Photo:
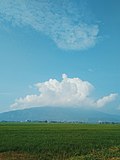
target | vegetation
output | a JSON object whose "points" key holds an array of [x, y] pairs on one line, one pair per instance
{"points": [[35, 141]]}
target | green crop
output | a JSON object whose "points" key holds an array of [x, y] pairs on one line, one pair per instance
{"points": [[35, 141]]}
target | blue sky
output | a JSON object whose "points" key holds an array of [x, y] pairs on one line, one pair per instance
{"points": [[74, 42]]}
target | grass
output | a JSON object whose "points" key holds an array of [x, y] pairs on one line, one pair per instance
{"points": [[19, 141]]}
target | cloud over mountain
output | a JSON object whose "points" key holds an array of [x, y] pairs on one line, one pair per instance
{"points": [[67, 92], [66, 22]]}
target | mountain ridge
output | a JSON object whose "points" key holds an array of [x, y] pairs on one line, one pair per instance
{"points": [[58, 114]]}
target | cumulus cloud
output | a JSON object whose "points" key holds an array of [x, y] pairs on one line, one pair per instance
{"points": [[66, 22], [69, 92], [104, 100]]}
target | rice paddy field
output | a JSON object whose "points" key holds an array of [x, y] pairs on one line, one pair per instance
{"points": [[37, 141]]}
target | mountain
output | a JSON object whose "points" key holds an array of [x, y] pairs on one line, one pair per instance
{"points": [[58, 114]]}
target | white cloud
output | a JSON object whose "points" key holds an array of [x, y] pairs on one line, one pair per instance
{"points": [[104, 100], [72, 92], [67, 24]]}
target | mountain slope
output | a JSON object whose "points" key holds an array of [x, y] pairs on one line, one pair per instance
{"points": [[58, 114]]}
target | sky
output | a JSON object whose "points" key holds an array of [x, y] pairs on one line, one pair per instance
{"points": [[60, 53]]}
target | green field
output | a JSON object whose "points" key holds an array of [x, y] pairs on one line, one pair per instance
{"points": [[35, 141]]}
